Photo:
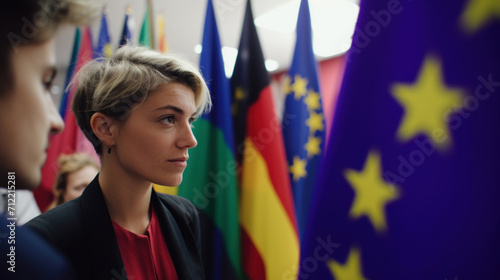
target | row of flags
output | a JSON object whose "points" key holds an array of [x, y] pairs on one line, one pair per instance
{"points": [[146, 34], [406, 188], [239, 176]]}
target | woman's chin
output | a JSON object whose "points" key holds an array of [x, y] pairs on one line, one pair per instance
{"points": [[170, 182]]}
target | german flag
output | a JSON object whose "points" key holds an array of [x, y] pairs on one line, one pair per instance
{"points": [[269, 231]]}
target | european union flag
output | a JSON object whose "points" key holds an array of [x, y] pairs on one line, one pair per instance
{"points": [[409, 188], [303, 121], [104, 43]]}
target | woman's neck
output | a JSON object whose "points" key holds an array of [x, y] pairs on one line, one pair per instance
{"points": [[127, 198]]}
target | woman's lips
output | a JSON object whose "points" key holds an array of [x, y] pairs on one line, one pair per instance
{"points": [[181, 162]]}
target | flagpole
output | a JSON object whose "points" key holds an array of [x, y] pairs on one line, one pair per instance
{"points": [[151, 15]]}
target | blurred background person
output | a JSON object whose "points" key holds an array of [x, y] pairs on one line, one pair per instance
{"points": [[76, 171]]}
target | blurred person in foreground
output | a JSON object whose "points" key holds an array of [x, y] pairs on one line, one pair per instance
{"points": [[137, 109], [76, 171], [27, 118]]}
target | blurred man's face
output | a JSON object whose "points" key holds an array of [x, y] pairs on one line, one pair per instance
{"points": [[27, 114]]}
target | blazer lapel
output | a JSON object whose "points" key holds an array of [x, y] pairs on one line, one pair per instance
{"points": [[100, 235], [175, 240]]}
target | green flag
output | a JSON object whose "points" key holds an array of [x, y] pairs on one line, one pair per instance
{"points": [[210, 179], [145, 35]]}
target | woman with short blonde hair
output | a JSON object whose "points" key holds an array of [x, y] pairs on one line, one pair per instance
{"points": [[115, 86], [137, 109]]}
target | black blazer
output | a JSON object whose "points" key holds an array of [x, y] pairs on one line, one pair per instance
{"points": [[82, 230]]}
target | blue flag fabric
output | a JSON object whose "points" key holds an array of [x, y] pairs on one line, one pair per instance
{"points": [[69, 73], [303, 121], [409, 187], [103, 47], [126, 35], [212, 68]]}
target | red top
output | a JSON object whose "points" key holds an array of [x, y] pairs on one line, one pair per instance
{"points": [[145, 256]]}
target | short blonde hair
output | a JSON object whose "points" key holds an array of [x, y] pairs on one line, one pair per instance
{"points": [[115, 85]]}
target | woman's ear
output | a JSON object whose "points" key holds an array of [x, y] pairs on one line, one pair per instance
{"points": [[104, 128]]}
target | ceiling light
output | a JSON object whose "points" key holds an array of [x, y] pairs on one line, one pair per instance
{"points": [[229, 56], [198, 48], [332, 23], [281, 19], [272, 65]]}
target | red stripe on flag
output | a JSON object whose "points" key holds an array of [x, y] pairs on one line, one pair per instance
{"points": [[252, 262], [264, 130]]}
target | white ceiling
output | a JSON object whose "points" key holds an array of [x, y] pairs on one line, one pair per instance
{"points": [[184, 22]]}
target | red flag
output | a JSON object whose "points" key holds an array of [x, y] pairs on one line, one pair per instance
{"points": [[70, 140]]}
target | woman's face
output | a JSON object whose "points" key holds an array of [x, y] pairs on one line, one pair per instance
{"points": [[78, 181], [154, 140]]}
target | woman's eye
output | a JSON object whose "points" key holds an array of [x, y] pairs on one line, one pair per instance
{"points": [[47, 85], [48, 80], [168, 119], [191, 121]]}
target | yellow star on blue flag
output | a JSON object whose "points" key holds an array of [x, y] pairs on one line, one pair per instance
{"points": [[350, 270], [303, 133], [427, 104], [409, 175], [479, 12], [372, 193]]}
